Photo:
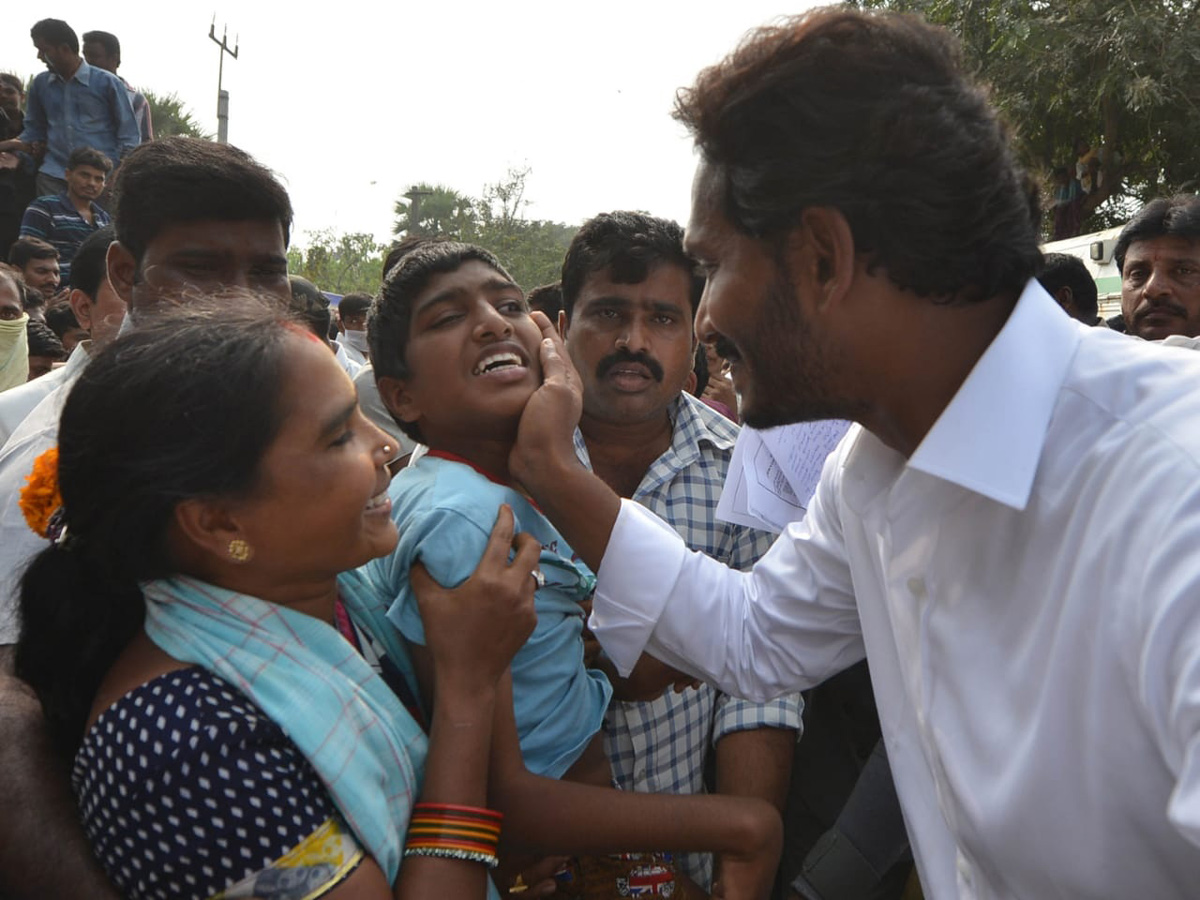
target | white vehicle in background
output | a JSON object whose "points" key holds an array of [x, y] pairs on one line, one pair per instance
{"points": [[1096, 251]]}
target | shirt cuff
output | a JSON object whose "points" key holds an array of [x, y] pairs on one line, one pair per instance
{"points": [[639, 569]]}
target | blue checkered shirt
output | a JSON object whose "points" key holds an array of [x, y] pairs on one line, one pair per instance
{"points": [[662, 746]]}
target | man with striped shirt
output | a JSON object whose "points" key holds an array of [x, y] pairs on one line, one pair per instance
{"points": [[66, 220]]}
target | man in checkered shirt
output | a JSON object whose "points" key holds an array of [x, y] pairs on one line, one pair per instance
{"points": [[630, 296]]}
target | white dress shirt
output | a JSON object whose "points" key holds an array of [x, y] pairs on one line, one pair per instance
{"points": [[37, 433], [1027, 589], [16, 403]]}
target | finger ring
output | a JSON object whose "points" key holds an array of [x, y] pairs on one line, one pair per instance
{"points": [[519, 886], [538, 578]]}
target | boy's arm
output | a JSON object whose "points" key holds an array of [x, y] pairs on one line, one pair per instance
{"points": [[43, 850]]}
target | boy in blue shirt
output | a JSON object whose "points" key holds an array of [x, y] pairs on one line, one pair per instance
{"points": [[456, 360]]}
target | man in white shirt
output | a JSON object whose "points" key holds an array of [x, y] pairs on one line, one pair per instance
{"points": [[1008, 535], [98, 310], [352, 323]]}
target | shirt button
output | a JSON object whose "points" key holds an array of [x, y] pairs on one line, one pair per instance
{"points": [[916, 587]]}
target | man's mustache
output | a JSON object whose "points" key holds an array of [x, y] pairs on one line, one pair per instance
{"points": [[624, 356]]}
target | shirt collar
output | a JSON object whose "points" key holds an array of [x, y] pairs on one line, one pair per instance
{"points": [[83, 74], [690, 427], [990, 437]]}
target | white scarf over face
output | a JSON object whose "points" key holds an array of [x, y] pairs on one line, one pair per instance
{"points": [[14, 352]]}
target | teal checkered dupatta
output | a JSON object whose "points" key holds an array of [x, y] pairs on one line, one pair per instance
{"points": [[311, 682]]}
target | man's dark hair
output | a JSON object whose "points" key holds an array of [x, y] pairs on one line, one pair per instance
{"points": [[43, 341], [61, 318], [870, 113], [89, 266], [547, 299], [627, 245], [182, 179], [86, 156], [390, 319], [311, 306], [107, 40], [55, 32], [1064, 270], [355, 304], [27, 248], [1177, 216], [14, 80], [402, 248]]}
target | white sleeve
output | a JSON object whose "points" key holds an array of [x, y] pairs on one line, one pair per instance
{"points": [[788, 623]]}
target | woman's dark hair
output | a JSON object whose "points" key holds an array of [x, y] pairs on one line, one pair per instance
{"points": [[870, 114], [391, 314], [183, 407], [182, 179]]}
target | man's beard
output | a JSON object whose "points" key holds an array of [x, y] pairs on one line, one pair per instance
{"points": [[789, 367]]}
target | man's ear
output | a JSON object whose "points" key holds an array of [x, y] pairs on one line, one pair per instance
{"points": [[209, 526], [689, 383], [396, 397], [122, 269], [820, 255], [1066, 299], [81, 305], [562, 324]]}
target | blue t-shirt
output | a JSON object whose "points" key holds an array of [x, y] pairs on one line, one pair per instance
{"points": [[444, 511]]}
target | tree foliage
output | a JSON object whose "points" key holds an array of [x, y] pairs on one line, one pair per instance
{"points": [[339, 263], [1123, 77], [531, 249], [171, 117]]}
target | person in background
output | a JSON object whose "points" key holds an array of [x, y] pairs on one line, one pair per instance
{"points": [[72, 105], [62, 321], [352, 323], [45, 349], [1068, 281], [1158, 255], [14, 338], [65, 220], [546, 299], [17, 168], [99, 312], [102, 49], [37, 261]]}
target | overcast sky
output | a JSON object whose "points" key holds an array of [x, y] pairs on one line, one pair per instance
{"points": [[351, 102]]}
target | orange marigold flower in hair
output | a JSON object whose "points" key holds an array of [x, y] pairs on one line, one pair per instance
{"points": [[40, 498]]}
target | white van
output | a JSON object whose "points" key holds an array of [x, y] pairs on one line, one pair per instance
{"points": [[1096, 251]]}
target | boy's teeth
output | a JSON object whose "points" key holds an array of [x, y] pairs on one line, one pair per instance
{"points": [[499, 361]]}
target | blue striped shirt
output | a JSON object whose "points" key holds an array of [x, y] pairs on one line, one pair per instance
{"points": [[55, 219]]}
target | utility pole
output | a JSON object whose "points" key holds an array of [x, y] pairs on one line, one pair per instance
{"points": [[415, 196], [222, 94]]}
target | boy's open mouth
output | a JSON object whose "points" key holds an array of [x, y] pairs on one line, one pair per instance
{"points": [[496, 362]]}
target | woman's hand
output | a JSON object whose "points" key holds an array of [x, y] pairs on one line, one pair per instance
{"points": [[473, 631]]}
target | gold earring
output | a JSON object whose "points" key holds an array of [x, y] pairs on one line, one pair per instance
{"points": [[239, 550]]}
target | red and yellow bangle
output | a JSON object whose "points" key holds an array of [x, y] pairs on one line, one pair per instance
{"points": [[451, 831]]}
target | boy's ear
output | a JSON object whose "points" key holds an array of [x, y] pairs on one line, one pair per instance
{"points": [[396, 397]]}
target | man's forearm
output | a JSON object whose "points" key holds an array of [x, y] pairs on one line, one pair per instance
{"points": [[756, 763], [43, 851], [581, 506]]}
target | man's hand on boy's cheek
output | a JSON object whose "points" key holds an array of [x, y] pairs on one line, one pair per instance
{"points": [[546, 432]]}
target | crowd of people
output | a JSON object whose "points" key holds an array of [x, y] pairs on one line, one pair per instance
{"points": [[427, 595]]}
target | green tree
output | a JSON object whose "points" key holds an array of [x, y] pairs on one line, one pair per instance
{"points": [[438, 210], [171, 117], [531, 249], [339, 263], [1121, 77]]}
